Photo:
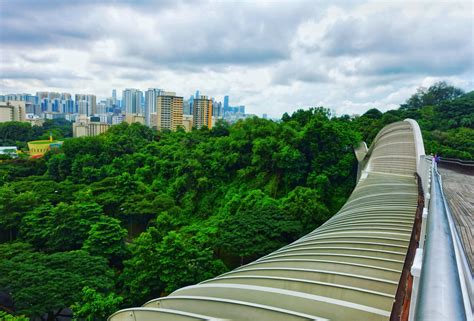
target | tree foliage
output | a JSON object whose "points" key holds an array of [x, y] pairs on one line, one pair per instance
{"points": [[94, 305], [46, 283], [114, 220]]}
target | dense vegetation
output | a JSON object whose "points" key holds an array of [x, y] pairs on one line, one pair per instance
{"points": [[114, 220], [19, 133], [444, 113]]}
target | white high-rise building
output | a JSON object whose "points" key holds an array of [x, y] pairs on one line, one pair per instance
{"points": [[86, 104], [150, 103], [12, 111], [132, 101], [102, 108]]}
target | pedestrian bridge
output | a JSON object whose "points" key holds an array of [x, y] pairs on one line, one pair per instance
{"points": [[365, 263]]}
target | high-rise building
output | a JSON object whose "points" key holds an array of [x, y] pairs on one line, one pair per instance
{"points": [[102, 107], [187, 107], [169, 111], [132, 101], [226, 104], [12, 110], [150, 103], [198, 95], [217, 109], [202, 112], [31, 102], [86, 104], [49, 101]]}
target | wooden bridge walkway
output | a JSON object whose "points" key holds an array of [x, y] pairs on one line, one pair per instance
{"points": [[459, 190]]}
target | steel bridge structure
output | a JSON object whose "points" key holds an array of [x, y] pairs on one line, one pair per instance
{"points": [[390, 253]]}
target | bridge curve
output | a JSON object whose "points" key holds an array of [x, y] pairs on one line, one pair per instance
{"points": [[349, 268]]}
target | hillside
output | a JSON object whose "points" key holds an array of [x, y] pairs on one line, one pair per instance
{"points": [[114, 220]]}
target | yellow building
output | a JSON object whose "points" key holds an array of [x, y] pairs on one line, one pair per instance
{"points": [[202, 112], [188, 122], [135, 118], [85, 127], [12, 110], [39, 147], [169, 112]]}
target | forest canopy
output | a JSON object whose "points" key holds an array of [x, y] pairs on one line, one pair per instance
{"points": [[111, 221]]}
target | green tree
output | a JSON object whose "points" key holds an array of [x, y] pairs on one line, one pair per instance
{"points": [[9, 317], [94, 305], [183, 260], [106, 238], [54, 280], [141, 273], [254, 225], [61, 228], [434, 95], [13, 207], [304, 205]]}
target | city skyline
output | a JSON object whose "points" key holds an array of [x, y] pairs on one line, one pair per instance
{"points": [[273, 57]]}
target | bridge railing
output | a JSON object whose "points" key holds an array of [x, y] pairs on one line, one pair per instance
{"points": [[442, 286]]}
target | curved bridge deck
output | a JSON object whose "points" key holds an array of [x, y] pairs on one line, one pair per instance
{"points": [[459, 191], [347, 269]]}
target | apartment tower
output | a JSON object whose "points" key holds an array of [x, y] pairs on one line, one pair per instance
{"points": [[202, 112], [169, 111]]}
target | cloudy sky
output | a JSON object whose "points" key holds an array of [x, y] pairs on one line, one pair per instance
{"points": [[272, 56]]}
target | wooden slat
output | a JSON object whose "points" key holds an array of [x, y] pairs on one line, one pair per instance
{"points": [[459, 191]]}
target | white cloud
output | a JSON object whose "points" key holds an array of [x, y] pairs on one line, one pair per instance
{"points": [[272, 56]]}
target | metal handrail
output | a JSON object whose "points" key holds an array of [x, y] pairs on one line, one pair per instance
{"points": [[440, 295], [462, 162]]}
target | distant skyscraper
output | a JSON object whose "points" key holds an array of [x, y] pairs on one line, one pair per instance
{"points": [[150, 103], [50, 102], [217, 109], [86, 104], [191, 103], [169, 111], [46, 100], [226, 104], [242, 109], [132, 101], [202, 112], [31, 102], [102, 107], [197, 94], [114, 99], [187, 107]]}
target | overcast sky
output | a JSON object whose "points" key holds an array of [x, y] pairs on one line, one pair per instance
{"points": [[272, 56]]}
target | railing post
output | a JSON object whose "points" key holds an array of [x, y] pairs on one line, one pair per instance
{"points": [[424, 218], [416, 272]]}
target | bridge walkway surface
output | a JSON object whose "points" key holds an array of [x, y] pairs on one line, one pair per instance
{"points": [[459, 190]]}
